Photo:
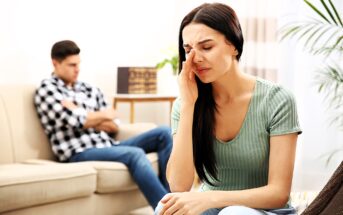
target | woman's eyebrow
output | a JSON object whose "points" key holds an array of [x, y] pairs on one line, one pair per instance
{"points": [[199, 43]]}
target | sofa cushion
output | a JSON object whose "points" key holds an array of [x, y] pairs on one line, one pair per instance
{"points": [[24, 185], [115, 177], [129, 130], [27, 138], [6, 152], [111, 176]]}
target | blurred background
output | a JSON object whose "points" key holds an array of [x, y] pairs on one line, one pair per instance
{"points": [[114, 34]]}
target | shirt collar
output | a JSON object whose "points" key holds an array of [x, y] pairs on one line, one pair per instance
{"points": [[61, 83]]}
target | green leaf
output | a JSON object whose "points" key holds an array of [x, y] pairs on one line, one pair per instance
{"points": [[328, 11], [317, 11], [326, 48], [306, 30], [323, 35], [337, 15], [289, 31], [320, 35], [337, 42], [173, 61]]}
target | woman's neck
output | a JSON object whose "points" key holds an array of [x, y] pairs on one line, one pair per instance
{"points": [[233, 85]]}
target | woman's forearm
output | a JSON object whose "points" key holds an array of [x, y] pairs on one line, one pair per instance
{"points": [[180, 169], [266, 197]]}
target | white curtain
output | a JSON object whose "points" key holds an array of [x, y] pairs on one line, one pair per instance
{"points": [[288, 64], [259, 24]]}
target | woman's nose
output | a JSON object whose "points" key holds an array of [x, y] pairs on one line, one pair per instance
{"points": [[197, 56]]}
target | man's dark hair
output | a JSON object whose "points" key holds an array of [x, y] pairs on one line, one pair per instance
{"points": [[62, 49]]}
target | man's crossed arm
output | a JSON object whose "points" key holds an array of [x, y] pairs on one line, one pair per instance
{"points": [[99, 120]]}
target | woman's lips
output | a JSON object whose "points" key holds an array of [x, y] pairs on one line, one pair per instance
{"points": [[202, 71]]}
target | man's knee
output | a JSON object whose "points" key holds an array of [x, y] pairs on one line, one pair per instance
{"points": [[137, 153], [165, 135], [164, 130]]}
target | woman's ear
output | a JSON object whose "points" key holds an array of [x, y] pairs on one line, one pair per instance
{"points": [[233, 49]]}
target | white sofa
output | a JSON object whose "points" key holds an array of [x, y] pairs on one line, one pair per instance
{"points": [[32, 182]]}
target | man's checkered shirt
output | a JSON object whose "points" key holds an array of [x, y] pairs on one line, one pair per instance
{"points": [[64, 127]]}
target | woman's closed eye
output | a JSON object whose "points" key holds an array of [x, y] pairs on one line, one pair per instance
{"points": [[207, 48]]}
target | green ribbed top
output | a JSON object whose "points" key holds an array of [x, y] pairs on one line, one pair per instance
{"points": [[243, 161]]}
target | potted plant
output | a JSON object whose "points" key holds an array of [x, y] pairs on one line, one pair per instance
{"points": [[173, 61], [167, 73], [322, 36]]}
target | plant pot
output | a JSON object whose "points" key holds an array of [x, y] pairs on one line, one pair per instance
{"points": [[167, 82]]}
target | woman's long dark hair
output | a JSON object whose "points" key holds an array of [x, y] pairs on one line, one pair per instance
{"points": [[223, 19]]}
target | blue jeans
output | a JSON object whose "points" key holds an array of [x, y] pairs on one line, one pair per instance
{"points": [[132, 152]]}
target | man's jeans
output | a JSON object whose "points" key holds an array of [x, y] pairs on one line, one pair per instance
{"points": [[132, 152]]}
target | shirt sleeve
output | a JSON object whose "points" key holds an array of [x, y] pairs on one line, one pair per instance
{"points": [[102, 104], [282, 112], [51, 112], [175, 115]]}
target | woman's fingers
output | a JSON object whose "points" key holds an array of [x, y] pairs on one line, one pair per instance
{"points": [[166, 198], [187, 65], [167, 202], [189, 59], [174, 209]]}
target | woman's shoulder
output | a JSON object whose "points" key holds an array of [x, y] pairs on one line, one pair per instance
{"points": [[274, 90], [176, 104]]}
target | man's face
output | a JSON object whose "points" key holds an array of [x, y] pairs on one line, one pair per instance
{"points": [[68, 69]]}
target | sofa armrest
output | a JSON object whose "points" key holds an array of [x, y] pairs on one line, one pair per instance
{"points": [[129, 130]]}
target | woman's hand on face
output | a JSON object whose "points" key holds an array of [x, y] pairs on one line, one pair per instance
{"points": [[187, 203], [187, 83]]}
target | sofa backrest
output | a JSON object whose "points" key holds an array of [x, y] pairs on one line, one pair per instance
{"points": [[21, 134]]}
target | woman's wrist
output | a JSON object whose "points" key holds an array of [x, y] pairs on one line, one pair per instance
{"points": [[187, 106], [186, 111], [209, 199]]}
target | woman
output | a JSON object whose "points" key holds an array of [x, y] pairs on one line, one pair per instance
{"points": [[238, 132]]}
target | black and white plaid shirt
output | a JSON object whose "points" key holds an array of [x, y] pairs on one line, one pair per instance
{"points": [[64, 127]]}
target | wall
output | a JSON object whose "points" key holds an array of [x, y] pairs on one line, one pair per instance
{"points": [[109, 33]]}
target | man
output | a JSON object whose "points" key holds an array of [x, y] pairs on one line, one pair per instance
{"points": [[78, 124]]}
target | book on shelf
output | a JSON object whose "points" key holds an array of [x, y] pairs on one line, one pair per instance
{"points": [[136, 80]]}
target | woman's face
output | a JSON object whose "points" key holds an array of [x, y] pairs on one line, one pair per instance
{"points": [[213, 53]]}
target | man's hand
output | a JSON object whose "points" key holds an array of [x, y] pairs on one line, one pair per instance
{"points": [[69, 104], [110, 113], [108, 126]]}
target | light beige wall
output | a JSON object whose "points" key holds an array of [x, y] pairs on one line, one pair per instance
{"points": [[109, 33]]}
